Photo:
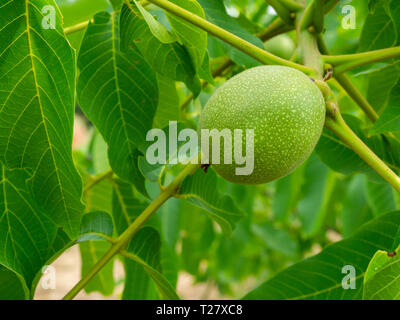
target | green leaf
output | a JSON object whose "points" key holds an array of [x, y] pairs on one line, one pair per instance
{"points": [[126, 205], [117, 4], [394, 11], [317, 191], [12, 287], [99, 197], [96, 225], [216, 14], [60, 244], [37, 102], [379, 30], [380, 197], [152, 171], [356, 210], [390, 118], [221, 208], [168, 104], [99, 151], [380, 84], [287, 191], [339, 157], [118, 92], [74, 12], [136, 32], [393, 150], [320, 277], [193, 38], [169, 215], [144, 250], [103, 281], [381, 281], [198, 236], [169, 263], [26, 233], [156, 28], [205, 70]]}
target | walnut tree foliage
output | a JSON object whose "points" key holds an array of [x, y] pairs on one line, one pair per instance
{"points": [[128, 66]]}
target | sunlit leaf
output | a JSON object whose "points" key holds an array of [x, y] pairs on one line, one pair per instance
{"points": [[382, 280], [168, 105], [136, 32], [118, 92], [194, 38], [215, 13], [320, 277], [156, 28]]}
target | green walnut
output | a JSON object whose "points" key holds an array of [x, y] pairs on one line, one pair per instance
{"points": [[284, 110], [282, 46]]}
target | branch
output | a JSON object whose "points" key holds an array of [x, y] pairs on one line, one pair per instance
{"points": [[356, 95], [76, 27], [277, 27], [334, 120], [308, 42], [309, 52], [339, 127], [230, 38], [312, 14], [125, 237], [349, 87], [282, 11], [97, 180], [292, 5], [307, 16], [343, 63]]}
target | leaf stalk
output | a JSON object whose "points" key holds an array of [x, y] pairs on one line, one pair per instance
{"points": [[339, 127], [347, 62], [230, 38]]}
